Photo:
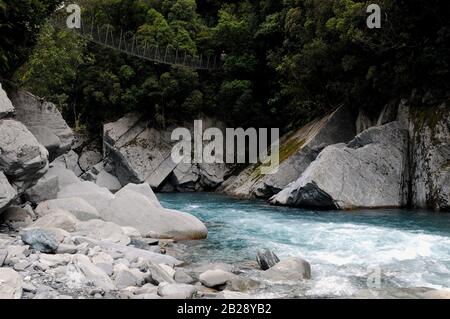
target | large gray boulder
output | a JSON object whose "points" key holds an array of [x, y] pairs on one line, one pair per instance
{"points": [[65, 176], [185, 178], [145, 190], [297, 151], [6, 107], [46, 188], [103, 231], [137, 151], [46, 137], [36, 113], [143, 154], [197, 177], [7, 192], [78, 207], [96, 196], [215, 278], [109, 181], [292, 269], [266, 258], [369, 172], [57, 218], [22, 159], [69, 161], [130, 208], [430, 158]]}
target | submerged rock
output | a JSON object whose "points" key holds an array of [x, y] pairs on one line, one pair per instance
{"points": [[368, 172], [266, 259], [291, 269], [243, 284], [215, 278]]}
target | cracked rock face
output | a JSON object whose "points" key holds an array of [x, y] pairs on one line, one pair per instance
{"points": [[22, 158], [6, 107], [44, 119], [430, 158], [7, 192], [297, 151], [143, 154], [368, 172]]}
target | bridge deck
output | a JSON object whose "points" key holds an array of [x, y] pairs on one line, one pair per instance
{"points": [[129, 43]]}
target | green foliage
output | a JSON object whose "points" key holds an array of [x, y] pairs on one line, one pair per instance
{"points": [[330, 56], [282, 62], [52, 69], [20, 22]]}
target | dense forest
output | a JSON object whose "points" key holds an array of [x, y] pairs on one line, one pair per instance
{"points": [[284, 62]]}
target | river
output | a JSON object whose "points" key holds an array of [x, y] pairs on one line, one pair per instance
{"points": [[364, 253]]}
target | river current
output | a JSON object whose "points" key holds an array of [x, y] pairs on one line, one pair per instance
{"points": [[364, 253]]}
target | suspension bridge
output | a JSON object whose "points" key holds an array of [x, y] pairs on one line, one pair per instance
{"points": [[131, 44]]}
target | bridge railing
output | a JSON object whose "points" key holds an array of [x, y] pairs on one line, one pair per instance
{"points": [[131, 44]]}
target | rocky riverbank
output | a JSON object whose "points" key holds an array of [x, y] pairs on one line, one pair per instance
{"points": [[80, 222], [69, 228]]}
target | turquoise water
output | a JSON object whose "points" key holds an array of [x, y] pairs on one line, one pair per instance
{"points": [[408, 248]]}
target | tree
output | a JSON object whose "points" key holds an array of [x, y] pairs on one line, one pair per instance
{"points": [[52, 69], [20, 22]]}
